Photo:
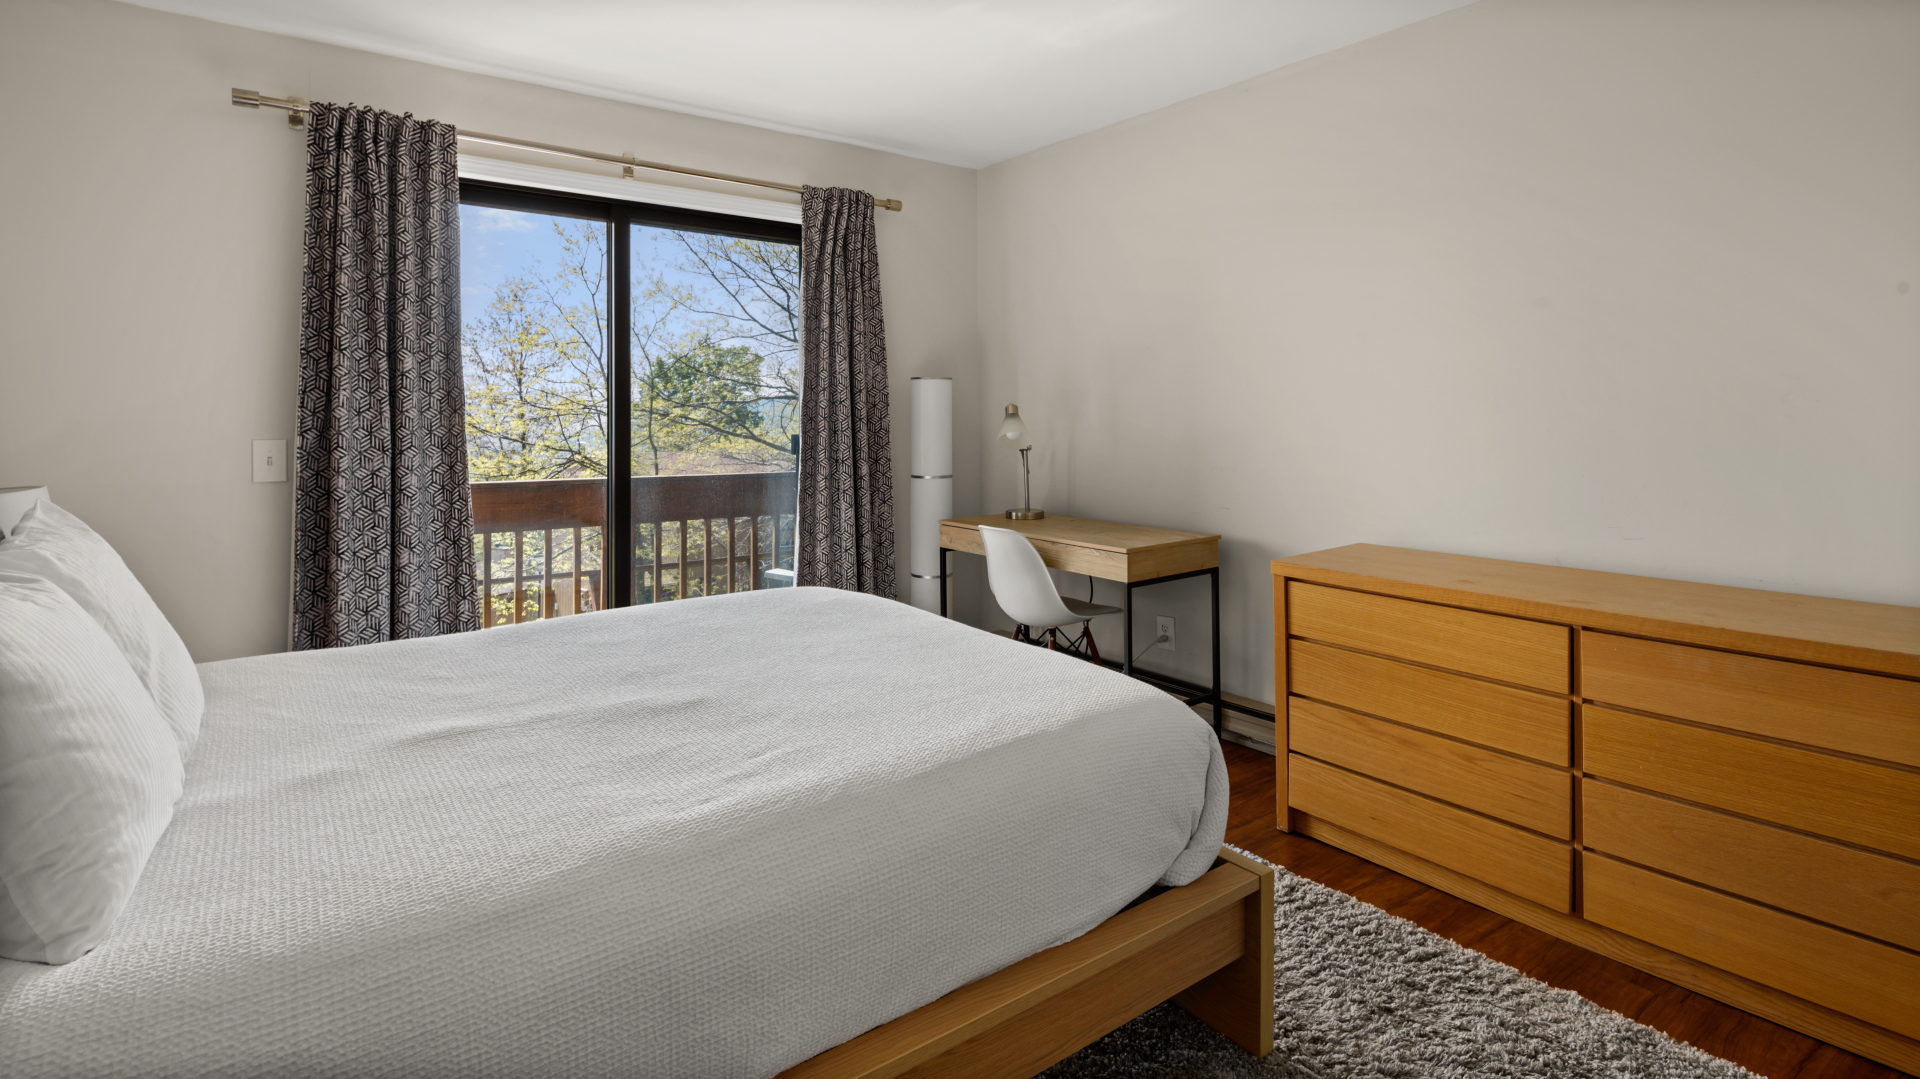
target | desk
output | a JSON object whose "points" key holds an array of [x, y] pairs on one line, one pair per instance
{"points": [[1134, 555]]}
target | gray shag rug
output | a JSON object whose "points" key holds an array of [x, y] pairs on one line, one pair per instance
{"points": [[1361, 993]]}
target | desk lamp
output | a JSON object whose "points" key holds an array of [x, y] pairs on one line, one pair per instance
{"points": [[1014, 432]]}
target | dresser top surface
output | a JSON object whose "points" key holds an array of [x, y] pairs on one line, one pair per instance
{"points": [[1847, 633]]}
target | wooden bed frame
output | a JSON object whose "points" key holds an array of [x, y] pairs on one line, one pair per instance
{"points": [[1207, 945]]}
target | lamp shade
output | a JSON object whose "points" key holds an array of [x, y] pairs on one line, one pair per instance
{"points": [[1014, 430]]}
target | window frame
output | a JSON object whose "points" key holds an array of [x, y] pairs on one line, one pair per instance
{"points": [[620, 216]]}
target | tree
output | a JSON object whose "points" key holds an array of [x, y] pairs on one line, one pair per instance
{"points": [[715, 355], [537, 370]]}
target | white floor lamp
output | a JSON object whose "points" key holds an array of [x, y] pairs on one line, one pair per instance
{"points": [[930, 489]]}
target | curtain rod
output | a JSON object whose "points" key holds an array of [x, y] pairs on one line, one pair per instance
{"points": [[297, 107]]}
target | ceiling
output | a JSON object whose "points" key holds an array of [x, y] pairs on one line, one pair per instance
{"points": [[965, 82]]}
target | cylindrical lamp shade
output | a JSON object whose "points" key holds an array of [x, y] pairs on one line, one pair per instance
{"points": [[930, 489]]}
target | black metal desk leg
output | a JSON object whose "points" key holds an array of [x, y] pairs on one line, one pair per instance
{"points": [[1218, 716], [943, 584], [1126, 658]]}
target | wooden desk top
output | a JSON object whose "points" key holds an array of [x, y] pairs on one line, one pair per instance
{"points": [[1841, 632], [1104, 549]]}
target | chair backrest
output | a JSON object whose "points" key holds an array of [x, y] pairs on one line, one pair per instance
{"points": [[1020, 582]]}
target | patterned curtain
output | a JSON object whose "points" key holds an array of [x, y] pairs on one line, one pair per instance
{"points": [[846, 459], [383, 522]]}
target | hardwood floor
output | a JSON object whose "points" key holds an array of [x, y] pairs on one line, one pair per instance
{"points": [[1754, 1043]]}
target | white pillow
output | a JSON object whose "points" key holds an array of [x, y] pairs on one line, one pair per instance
{"points": [[89, 773], [55, 545]]}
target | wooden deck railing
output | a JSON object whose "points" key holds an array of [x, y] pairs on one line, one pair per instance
{"points": [[709, 535], [539, 545]]}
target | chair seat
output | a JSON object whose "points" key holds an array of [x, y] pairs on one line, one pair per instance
{"points": [[1086, 610]]}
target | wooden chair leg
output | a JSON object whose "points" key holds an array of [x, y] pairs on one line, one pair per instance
{"points": [[1086, 634]]}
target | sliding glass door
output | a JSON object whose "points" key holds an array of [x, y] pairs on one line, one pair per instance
{"points": [[715, 410], [537, 350], [633, 382]]}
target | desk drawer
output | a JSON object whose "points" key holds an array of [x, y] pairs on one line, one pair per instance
{"points": [[1520, 862], [1849, 974], [1849, 888], [1530, 724], [1490, 645], [1854, 713], [1530, 795], [1861, 803]]}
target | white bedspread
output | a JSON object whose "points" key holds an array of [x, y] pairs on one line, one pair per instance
{"points": [[704, 838]]}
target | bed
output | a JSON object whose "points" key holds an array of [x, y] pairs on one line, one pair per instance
{"points": [[800, 831]]}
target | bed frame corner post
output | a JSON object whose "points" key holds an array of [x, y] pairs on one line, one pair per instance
{"points": [[1237, 999]]}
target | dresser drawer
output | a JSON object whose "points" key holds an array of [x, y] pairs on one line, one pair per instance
{"points": [[1490, 645], [1506, 857], [1530, 724], [1851, 974], [1530, 795], [1861, 803], [1865, 714], [1849, 888]]}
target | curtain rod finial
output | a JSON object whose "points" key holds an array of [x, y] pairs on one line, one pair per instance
{"points": [[888, 204], [252, 99]]}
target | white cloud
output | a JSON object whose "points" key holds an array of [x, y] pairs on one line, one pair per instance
{"points": [[489, 219]]}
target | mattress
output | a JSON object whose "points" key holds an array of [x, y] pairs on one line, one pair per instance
{"points": [[704, 838]]}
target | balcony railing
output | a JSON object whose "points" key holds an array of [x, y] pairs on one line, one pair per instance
{"points": [[539, 545]]}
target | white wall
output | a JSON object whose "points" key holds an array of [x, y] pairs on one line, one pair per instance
{"points": [[1624, 284], [1619, 284], [150, 268]]}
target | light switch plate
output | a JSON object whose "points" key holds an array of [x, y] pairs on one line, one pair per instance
{"points": [[269, 460]]}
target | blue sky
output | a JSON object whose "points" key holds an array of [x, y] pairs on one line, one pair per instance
{"points": [[497, 244]]}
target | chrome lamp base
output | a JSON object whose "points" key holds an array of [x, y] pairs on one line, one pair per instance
{"points": [[1026, 515]]}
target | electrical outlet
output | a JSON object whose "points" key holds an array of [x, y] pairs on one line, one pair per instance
{"points": [[1163, 630]]}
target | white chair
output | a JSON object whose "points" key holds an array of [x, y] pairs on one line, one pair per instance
{"points": [[1024, 590]]}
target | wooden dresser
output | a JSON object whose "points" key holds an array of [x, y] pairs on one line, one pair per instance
{"points": [[1720, 786]]}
